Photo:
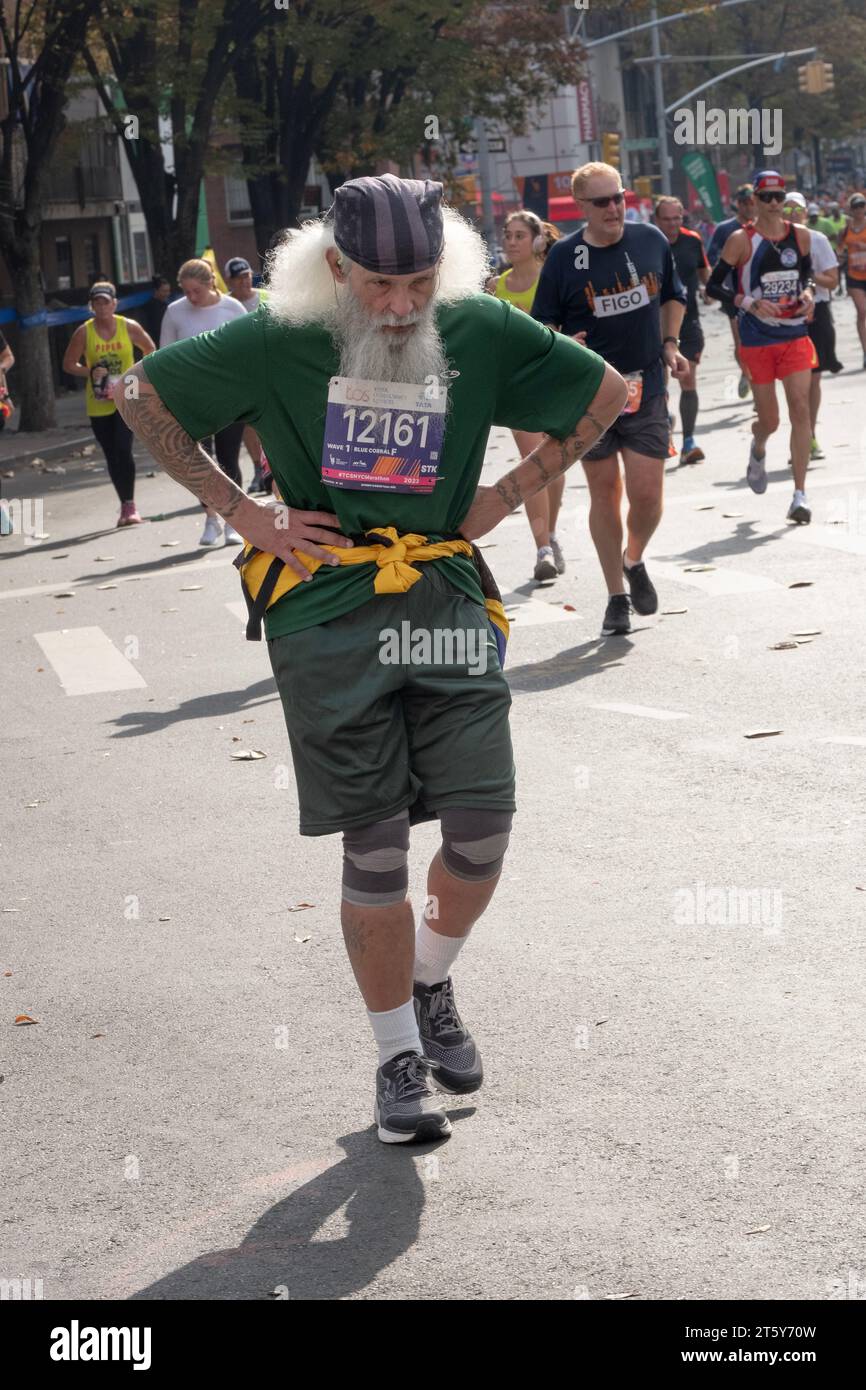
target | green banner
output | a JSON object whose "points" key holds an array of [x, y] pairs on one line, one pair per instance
{"points": [[702, 176]]}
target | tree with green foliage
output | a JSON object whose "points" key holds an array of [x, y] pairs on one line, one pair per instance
{"points": [[40, 45]]}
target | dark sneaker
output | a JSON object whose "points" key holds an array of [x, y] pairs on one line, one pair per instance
{"points": [[446, 1041], [545, 565], [616, 616], [257, 484], [693, 455], [407, 1108], [644, 598]]}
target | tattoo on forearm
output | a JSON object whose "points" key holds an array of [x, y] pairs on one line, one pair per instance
{"points": [[509, 490], [564, 452], [180, 456]]}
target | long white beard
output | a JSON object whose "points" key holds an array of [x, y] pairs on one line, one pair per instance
{"points": [[369, 353]]}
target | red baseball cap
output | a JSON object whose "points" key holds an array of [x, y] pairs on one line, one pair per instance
{"points": [[768, 179]]}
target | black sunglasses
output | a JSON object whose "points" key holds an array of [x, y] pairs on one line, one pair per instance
{"points": [[776, 196], [611, 198]]}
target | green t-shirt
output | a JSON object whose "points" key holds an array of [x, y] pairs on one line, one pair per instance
{"points": [[512, 372], [825, 225]]}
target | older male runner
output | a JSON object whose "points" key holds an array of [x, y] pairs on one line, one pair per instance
{"points": [[373, 375]]}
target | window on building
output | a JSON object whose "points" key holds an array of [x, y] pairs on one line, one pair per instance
{"points": [[91, 258], [63, 257], [139, 250], [238, 200]]}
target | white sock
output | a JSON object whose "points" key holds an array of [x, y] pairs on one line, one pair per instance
{"points": [[544, 550], [396, 1031], [434, 954]]}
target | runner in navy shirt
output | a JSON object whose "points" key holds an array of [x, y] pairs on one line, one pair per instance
{"points": [[693, 269], [613, 286]]}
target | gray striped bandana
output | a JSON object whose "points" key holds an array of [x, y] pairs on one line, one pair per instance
{"points": [[390, 225]]}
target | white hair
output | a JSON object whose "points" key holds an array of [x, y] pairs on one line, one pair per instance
{"points": [[301, 287]]}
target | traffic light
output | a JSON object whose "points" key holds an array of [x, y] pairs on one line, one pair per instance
{"points": [[610, 148], [643, 186], [815, 77]]}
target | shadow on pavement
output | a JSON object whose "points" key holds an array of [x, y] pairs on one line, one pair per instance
{"points": [[221, 702], [382, 1189], [743, 541], [574, 664]]}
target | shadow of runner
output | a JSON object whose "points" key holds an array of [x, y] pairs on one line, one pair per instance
{"points": [[574, 664], [382, 1189], [132, 723]]}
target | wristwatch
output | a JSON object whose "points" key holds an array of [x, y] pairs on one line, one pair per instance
{"points": [[670, 339]]}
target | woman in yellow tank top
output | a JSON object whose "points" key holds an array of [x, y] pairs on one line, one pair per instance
{"points": [[527, 240], [106, 343]]}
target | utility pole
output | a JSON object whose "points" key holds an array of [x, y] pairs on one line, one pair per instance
{"points": [[488, 224], [661, 117]]}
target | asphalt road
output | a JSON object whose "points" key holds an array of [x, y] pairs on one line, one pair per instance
{"points": [[668, 989]]}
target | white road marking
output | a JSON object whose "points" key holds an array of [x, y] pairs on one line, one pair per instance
{"points": [[716, 583], [87, 662], [642, 711], [834, 537]]}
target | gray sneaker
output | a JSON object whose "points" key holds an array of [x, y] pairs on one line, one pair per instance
{"points": [[407, 1108], [756, 473], [558, 557], [447, 1043]]}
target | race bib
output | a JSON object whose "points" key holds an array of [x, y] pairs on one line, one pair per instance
{"points": [[383, 436], [857, 257], [781, 287], [634, 382], [623, 302]]}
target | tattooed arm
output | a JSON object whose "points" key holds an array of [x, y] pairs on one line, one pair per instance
{"points": [[279, 530], [548, 461]]}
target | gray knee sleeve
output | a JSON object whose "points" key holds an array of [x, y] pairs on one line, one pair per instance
{"points": [[376, 862], [474, 841]]}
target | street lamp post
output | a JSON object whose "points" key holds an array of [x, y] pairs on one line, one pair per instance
{"points": [[661, 117]]}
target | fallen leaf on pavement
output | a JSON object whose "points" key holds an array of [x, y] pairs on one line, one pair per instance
{"points": [[299, 907], [188, 588], [105, 557], [165, 919], [171, 610], [106, 586], [808, 632], [698, 569], [708, 507], [167, 544], [569, 608], [762, 733], [64, 556], [97, 1035], [6, 974], [730, 515], [669, 612], [801, 584], [65, 593], [756, 1231], [600, 1021], [301, 939], [247, 755], [783, 647], [25, 1018]]}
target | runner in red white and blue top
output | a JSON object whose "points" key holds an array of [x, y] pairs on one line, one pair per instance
{"points": [[775, 297]]}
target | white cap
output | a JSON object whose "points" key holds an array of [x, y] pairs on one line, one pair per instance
{"points": [[814, 210], [797, 200]]}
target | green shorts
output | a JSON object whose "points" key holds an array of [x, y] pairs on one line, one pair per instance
{"points": [[400, 703]]}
